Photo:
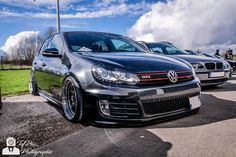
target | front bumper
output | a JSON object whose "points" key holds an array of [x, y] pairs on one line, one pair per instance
{"points": [[206, 80], [142, 105]]}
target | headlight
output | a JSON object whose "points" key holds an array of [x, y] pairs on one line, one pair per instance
{"points": [[114, 76], [194, 72], [197, 66], [226, 65]]}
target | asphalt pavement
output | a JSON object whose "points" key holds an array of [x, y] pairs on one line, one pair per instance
{"points": [[32, 118], [209, 133], [40, 127]]}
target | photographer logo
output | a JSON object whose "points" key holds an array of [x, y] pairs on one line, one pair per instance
{"points": [[11, 148]]}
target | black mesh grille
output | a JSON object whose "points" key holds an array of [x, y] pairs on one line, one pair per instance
{"points": [[163, 106], [210, 66]]}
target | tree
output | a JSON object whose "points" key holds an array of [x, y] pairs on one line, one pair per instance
{"points": [[28, 47]]}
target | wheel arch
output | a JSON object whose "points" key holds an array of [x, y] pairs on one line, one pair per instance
{"points": [[71, 74]]}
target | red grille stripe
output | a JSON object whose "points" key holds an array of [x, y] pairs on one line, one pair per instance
{"points": [[160, 72], [157, 79]]}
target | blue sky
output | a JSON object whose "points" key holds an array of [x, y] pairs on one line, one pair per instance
{"points": [[97, 15], [191, 24]]}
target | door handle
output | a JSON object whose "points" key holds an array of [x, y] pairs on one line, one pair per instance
{"points": [[43, 64]]}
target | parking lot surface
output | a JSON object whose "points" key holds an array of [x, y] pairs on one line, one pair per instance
{"points": [[211, 132], [33, 118]]}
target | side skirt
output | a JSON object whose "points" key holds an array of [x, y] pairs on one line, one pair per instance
{"points": [[49, 98]]}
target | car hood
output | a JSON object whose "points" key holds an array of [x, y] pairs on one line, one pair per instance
{"points": [[196, 59], [137, 62]]}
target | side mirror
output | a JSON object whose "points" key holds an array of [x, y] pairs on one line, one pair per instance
{"points": [[51, 52]]}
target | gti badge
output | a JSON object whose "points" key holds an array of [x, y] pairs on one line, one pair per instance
{"points": [[173, 77], [146, 77]]}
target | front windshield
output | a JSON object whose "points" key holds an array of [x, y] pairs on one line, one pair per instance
{"points": [[101, 42], [166, 49]]}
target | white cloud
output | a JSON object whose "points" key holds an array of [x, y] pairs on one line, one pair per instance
{"points": [[24, 3], [16, 40], [106, 8], [103, 3], [190, 24]]}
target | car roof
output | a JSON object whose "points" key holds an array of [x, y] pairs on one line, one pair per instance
{"points": [[160, 42], [89, 32]]}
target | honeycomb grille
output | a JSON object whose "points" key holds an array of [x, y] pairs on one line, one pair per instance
{"points": [[163, 106]]}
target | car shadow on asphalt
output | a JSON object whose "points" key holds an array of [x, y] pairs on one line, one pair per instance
{"points": [[130, 142], [213, 110], [116, 142], [57, 107]]}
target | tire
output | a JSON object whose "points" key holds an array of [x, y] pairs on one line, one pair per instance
{"points": [[197, 110], [72, 100], [33, 89]]}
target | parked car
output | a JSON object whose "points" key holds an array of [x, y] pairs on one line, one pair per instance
{"points": [[210, 71], [109, 79], [231, 64], [194, 53]]}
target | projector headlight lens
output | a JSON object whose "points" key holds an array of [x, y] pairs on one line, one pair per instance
{"points": [[114, 76]]}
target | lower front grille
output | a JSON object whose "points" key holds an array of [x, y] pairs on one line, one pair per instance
{"points": [[162, 106], [123, 109]]}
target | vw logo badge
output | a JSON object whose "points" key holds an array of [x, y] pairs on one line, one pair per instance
{"points": [[173, 77]]}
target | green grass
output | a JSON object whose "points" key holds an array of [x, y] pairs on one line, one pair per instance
{"points": [[11, 66], [14, 81]]}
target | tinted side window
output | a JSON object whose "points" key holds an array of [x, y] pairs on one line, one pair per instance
{"points": [[157, 50], [174, 51], [57, 43]]}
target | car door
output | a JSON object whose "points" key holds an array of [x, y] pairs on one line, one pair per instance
{"points": [[53, 69], [39, 65]]}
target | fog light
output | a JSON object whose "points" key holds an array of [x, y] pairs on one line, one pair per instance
{"points": [[104, 107]]}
